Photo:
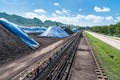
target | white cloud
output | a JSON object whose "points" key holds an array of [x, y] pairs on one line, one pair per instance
{"points": [[79, 9], [91, 18], [109, 18], [39, 11], [33, 15], [79, 19], [53, 14], [117, 18], [58, 12], [94, 18], [30, 15], [56, 4], [104, 9], [63, 11]]}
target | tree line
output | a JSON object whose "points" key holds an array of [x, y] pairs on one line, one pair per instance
{"points": [[113, 30]]}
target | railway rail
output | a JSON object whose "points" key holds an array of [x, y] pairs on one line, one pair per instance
{"points": [[56, 66], [98, 69]]}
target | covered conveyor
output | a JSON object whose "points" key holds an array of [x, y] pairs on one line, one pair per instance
{"points": [[19, 33]]}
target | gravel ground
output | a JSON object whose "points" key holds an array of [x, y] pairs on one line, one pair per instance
{"points": [[109, 40], [83, 68]]}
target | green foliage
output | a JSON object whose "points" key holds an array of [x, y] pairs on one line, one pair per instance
{"points": [[110, 30], [108, 57], [28, 22]]}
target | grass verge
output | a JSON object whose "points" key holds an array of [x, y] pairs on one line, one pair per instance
{"points": [[108, 57]]}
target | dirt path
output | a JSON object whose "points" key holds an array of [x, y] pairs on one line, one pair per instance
{"points": [[83, 68], [111, 41]]}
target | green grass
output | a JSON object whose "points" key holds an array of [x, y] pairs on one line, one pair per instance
{"points": [[108, 57]]}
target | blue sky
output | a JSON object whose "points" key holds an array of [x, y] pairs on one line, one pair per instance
{"points": [[77, 12]]}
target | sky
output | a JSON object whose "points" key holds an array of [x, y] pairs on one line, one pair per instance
{"points": [[76, 12]]}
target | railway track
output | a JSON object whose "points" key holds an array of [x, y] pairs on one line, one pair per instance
{"points": [[98, 69], [56, 66], [60, 65]]}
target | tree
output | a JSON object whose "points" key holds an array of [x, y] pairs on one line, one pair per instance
{"points": [[110, 30]]}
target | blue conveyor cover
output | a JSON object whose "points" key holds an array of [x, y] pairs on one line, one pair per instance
{"points": [[19, 33], [55, 31]]}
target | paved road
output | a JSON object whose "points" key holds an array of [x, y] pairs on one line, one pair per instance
{"points": [[109, 40], [8, 71]]}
